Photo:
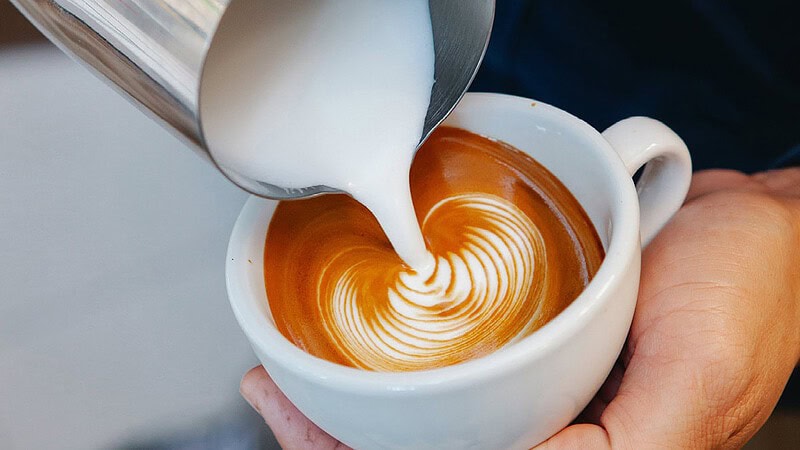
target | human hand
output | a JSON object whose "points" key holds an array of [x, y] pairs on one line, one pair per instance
{"points": [[716, 332], [714, 339]]}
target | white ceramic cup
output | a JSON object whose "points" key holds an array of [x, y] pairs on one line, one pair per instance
{"points": [[519, 395]]}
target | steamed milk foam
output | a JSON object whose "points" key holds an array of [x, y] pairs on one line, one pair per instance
{"points": [[302, 93]]}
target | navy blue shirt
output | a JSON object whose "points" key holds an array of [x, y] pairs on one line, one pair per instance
{"points": [[724, 74]]}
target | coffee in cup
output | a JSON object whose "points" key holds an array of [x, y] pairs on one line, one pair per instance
{"points": [[512, 247]]}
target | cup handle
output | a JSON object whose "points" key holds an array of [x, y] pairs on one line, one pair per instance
{"points": [[662, 188]]}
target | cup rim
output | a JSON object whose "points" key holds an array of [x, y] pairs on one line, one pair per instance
{"points": [[623, 243]]}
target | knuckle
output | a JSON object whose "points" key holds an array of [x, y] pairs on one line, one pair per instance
{"points": [[763, 217]]}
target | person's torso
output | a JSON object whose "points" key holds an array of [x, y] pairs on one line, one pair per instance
{"points": [[725, 75]]}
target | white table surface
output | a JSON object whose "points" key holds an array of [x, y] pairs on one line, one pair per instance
{"points": [[114, 323]]}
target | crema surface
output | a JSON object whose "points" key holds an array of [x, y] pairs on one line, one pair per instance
{"points": [[512, 249]]}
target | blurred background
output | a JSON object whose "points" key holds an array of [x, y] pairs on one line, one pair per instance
{"points": [[115, 331], [115, 328]]}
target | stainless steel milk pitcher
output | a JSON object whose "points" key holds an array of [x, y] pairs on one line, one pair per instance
{"points": [[154, 51]]}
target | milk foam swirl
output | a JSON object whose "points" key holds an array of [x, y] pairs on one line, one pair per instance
{"points": [[490, 289]]}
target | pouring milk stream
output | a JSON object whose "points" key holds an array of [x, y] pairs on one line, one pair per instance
{"points": [[341, 93]]}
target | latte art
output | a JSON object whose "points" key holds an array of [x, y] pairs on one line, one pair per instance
{"points": [[492, 287], [512, 248]]}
